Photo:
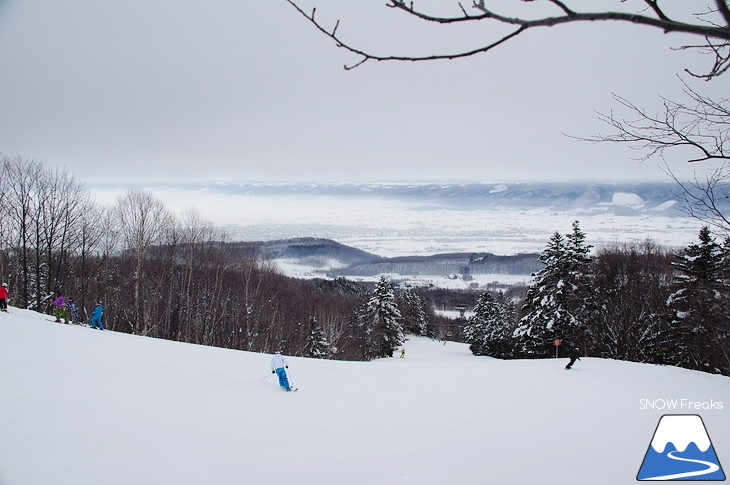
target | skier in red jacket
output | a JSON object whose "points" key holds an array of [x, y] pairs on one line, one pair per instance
{"points": [[4, 296]]}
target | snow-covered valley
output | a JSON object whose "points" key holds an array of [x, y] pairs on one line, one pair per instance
{"points": [[424, 219], [393, 220]]}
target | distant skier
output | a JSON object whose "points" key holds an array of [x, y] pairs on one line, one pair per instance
{"points": [[96, 316], [4, 297], [403, 353], [60, 311], [73, 310], [573, 355], [279, 364]]}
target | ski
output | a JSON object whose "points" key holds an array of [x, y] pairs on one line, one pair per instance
{"points": [[78, 324]]}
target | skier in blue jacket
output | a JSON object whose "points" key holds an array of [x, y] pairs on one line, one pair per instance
{"points": [[279, 364], [96, 316]]}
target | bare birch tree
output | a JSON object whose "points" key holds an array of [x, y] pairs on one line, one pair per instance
{"points": [[143, 221], [21, 202]]}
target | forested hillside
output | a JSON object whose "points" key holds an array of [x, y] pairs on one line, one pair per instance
{"points": [[636, 302], [166, 276]]}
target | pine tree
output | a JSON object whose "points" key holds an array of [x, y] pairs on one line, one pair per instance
{"points": [[699, 304], [577, 250], [475, 329], [316, 345], [380, 320], [558, 301], [489, 330], [582, 299], [501, 340], [415, 316]]}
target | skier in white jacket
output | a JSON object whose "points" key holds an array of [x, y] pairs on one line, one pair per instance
{"points": [[279, 364]]}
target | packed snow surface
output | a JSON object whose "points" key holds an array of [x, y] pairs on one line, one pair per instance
{"points": [[81, 406]]}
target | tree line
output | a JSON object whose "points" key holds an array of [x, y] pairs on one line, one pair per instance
{"points": [[175, 277], [636, 302], [178, 278]]}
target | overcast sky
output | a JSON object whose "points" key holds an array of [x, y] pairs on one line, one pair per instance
{"points": [[247, 90]]}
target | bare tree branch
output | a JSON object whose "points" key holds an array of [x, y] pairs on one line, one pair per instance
{"points": [[721, 52], [711, 32], [570, 16], [654, 5], [367, 56], [702, 124], [723, 8], [709, 200]]}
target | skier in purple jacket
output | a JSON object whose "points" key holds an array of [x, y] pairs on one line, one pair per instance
{"points": [[60, 308]]}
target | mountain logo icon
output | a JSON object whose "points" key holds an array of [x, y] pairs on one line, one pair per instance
{"points": [[681, 450]]}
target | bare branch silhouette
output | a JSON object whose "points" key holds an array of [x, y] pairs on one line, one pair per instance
{"points": [[707, 25]]}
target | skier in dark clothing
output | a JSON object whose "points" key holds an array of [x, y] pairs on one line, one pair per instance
{"points": [[574, 355], [73, 310]]}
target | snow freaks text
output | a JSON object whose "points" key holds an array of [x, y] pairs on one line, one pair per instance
{"points": [[683, 405]]}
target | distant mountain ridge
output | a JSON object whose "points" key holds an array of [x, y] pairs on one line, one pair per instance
{"points": [[658, 196], [316, 252], [337, 259]]}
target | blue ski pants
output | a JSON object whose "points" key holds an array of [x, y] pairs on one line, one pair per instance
{"points": [[283, 381], [96, 322]]}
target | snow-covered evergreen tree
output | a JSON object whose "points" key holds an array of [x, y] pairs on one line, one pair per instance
{"points": [[558, 301], [415, 315], [316, 345], [582, 299], [699, 306], [475, 329], [380, 320], [501, 340], [726, 259], [489, 330], [577, 252]]}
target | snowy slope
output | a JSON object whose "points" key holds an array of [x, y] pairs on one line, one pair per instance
{"points": [[79, 406]]}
